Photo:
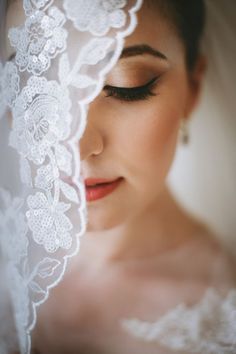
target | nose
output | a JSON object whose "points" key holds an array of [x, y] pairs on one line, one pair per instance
{"points": [[92, 140]]}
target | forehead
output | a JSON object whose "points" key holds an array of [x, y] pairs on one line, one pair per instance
{"points": [[156, 31]]}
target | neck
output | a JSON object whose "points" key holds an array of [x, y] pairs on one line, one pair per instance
{"points": [[158, 228]]}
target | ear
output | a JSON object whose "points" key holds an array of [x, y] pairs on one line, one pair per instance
{"points": [[195, 82]]}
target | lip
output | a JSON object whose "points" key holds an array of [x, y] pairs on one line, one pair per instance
{"points": [[93, 181], [101, 189]]}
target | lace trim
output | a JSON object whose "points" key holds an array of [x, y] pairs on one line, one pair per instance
{"points": [[209, 327], [40, 229]]}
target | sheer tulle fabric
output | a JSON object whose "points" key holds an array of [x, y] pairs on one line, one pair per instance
{"points": [[48, 87]]}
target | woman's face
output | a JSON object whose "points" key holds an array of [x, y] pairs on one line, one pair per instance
{"points": [[133, 134]]}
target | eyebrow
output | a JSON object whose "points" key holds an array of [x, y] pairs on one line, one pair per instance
{"points": [[131, 51], [141, 49]]}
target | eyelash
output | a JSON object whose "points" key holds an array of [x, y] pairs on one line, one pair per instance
{"points": [[132, 93]]}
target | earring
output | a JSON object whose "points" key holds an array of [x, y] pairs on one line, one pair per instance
{"points": [[184, 132]]}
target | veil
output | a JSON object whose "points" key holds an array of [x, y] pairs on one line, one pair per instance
{"points": [[43, 209], [42, 201]]}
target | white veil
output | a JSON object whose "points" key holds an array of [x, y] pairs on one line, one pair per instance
{"points": [[42, 199], [204, 182]]}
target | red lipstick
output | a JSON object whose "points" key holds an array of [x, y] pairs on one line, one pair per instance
{"points": [[97, 188]]}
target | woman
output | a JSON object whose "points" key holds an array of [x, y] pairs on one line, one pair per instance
{"points": [[143, 253]]}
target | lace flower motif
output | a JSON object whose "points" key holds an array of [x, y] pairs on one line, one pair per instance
{"points": [[208, 327], [40, 40], [45, 177], [48, 222], [9, 86], [32, 5], [96, 16], [40, 118]]}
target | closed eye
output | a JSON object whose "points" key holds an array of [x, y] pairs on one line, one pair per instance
{"points": [[132, 93]]}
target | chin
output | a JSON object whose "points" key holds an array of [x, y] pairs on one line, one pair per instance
{"points": [[102, 222]]}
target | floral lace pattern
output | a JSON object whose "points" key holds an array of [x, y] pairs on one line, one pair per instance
{"points": [[45, 177], [31, 5], [53, 193], [37, 231], [43, 119], [48, 222], [97, 18], [40, 40], [209, 327]]}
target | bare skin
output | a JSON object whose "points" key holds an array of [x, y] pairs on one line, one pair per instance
{"points": [[143, 253], [83, 313]]}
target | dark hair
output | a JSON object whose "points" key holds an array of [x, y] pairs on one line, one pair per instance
{"points": [[188, 18]]}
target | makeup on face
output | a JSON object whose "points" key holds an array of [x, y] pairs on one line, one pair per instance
{"points": [[136, 74], [100, 190]]}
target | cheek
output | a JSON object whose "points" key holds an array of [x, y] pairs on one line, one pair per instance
{"points": [[149, 135], [148, 130], [157, 132]]}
